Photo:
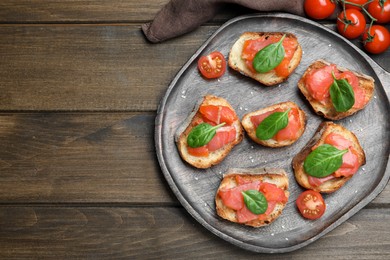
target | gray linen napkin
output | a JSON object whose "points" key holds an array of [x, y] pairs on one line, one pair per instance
{"points": [[181, 16]]}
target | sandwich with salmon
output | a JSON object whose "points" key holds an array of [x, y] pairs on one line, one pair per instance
{"points": [[268, 57], [252, 197], [275, 126], [332, 157], [209, 133], [335, 92]]}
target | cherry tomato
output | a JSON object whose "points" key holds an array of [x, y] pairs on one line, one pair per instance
{"points": [[359, 2], [311, 204], [213, 65], [380, 10], [319, 9], [351, 24], [377, 39]]}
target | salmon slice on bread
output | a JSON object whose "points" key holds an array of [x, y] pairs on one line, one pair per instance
{"points": [[341, 138], [271, 182], [211, 110], [241, 62], [284, 137], [319, 96]]}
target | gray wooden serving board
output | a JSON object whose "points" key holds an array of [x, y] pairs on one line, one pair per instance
{"points": [[195, 188]]}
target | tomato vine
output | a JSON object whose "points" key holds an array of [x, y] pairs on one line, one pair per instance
{"points": [[362, 7], [351, 21]]}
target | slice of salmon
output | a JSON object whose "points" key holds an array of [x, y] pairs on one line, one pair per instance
{"points": [[338, 141], [253, 46], [257, 119], [214, 115], [223, 136], [360, 97], [315, 182], [245, 215], [290, 45], [290, 132], [233, 198], [270, 208], [270, 190], [240, 180], [350, 163], [350, 77], [319, 81]]}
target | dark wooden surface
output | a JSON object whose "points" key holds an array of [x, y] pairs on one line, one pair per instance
{"points": [[79, 178]]}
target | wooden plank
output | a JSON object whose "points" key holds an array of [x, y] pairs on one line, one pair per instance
{"points": [[169, 233], [49, 157], [26, 11], [88, 11], [41, 67], [85, 158]]}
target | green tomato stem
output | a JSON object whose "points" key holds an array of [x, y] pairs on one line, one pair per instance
{"points": [[363, 7]]}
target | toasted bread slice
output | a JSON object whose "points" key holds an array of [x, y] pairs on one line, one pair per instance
{"points": [[327, 110], [335, 183], [270, 175], [250, 128], [214, 157], [270, 78]]}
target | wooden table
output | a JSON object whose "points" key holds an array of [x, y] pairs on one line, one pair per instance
{"points": [[79, 178]]}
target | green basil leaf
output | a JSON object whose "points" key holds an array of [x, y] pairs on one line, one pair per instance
{"points": [[342, 95], [269, 57], [272, 124], [202, 134], [255, 201], [323, 161]]}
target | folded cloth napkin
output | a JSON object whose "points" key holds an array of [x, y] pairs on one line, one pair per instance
{"points": [[182, 16]]}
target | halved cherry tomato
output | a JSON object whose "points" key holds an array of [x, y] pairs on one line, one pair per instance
{"points": [[213, 65], [380, 10], [377, 40], [319, 9], [311, 204], [351, 23], [359, 2]]}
